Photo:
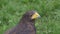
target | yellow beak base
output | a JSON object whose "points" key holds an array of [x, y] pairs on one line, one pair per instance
{"points": [[35, 15]]}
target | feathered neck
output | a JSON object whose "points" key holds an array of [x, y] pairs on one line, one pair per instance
{"points": [[27, 21]]}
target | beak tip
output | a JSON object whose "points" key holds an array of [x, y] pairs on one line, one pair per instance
{"points": [[39, 16]]}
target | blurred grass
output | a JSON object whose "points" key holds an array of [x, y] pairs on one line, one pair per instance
{"points": [[11, 12]]}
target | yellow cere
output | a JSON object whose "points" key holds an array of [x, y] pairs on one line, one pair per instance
{"points": [[36, 15]]}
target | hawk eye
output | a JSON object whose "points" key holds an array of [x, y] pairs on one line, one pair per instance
{"points": [[30, 15]]}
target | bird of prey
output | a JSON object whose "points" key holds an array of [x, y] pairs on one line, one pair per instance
{"points": [[26, 25]]}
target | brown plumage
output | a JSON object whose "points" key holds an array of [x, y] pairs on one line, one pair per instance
{"points": [[25, 26]]}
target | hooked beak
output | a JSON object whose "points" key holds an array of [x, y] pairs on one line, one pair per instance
{"points": [[35, 15]]}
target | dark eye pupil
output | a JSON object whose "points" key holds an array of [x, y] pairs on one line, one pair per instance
{"points": [[31, 15]]}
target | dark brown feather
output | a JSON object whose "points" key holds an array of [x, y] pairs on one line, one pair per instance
{"points": [[25, 26]]}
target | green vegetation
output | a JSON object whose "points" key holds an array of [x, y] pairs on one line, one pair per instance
{"points": [[12, 10]]}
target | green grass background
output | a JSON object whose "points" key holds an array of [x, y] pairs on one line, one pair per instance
{"points": [[11, 12]]}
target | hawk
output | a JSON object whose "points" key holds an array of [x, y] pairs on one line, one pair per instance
{"points": [[26, 24]]}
